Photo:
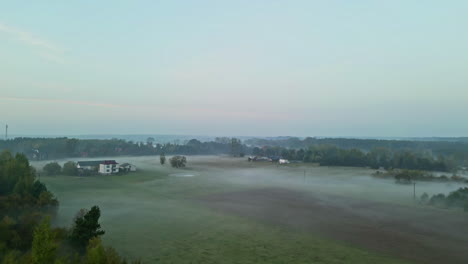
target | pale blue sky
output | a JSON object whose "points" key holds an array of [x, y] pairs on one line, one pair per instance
{"points": [[303, 68]]}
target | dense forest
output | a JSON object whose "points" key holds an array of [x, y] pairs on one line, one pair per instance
{"points": [[26, 210]]}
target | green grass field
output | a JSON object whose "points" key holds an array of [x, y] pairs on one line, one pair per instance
{"points": [[156, 217]]}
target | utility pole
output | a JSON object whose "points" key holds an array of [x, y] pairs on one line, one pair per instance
{"points": [[6, 132], [414, 190]]}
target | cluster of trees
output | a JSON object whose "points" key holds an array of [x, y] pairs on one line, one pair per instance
{"points": [[329, 155], [178, 161], [79, 245], [26, 236], [23, 200], [455, 199], [53, 168], [409, 176]]}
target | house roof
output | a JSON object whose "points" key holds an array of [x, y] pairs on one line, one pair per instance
{"points": [[95, 162], [109, 162], [89, 163]]}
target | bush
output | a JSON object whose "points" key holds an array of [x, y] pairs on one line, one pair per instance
{"points": [[69, 168], [96, 253], [457, 198], [178, 161], [52, 168], [438, 200], [424, 198]]}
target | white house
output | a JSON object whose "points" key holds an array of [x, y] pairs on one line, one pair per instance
{"points": [[108, 167], [101, 166]]}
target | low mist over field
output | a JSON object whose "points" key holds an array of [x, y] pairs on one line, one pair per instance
{"points": [[172, 209]]}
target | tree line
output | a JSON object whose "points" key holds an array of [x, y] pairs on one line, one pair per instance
{"points": [[455, 150], [26, 236], [455, 199], [329, 155], [57, 148], [410, 176], [346, 152]]}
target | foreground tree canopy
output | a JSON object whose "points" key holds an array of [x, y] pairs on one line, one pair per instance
{"points": [[26, 208]]}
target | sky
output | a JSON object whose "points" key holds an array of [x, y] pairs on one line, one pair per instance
{"points": [[254, 68]]}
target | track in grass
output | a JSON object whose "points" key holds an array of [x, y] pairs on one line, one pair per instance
{"points": [[416, 234]]}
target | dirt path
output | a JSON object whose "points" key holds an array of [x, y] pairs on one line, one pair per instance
{"points": [[421, 235]]}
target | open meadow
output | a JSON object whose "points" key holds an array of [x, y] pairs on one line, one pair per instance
{"points": [[227, 210]]}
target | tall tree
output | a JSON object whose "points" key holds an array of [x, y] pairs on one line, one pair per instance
{"points": [[86, 226], [150, 141], [43, 245], [236, 147]]}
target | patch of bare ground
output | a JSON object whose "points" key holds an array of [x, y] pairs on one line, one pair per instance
{"points": [[421, 235]]}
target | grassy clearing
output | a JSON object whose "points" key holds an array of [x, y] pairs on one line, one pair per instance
{"points": [[234, 240], [154, 216]]}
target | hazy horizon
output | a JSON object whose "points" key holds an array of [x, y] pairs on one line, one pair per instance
{"points": [[181, 138], [260, 68]]}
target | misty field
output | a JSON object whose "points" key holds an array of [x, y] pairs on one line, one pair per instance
{"points": [[227, 210]]}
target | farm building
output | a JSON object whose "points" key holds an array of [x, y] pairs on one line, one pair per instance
{"points": [[126, 167], [88, 165]]}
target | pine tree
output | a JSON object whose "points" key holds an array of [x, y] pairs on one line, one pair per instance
{"points": [[87, 227]]}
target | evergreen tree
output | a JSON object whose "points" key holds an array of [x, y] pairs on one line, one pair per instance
{"points": [[86, 226]]}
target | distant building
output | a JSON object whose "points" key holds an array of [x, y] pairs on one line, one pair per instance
{"points": [[127, 167], [108, 167], [257, 158], [100, 166], [274, 158], [88, 165], [283, 161]]}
